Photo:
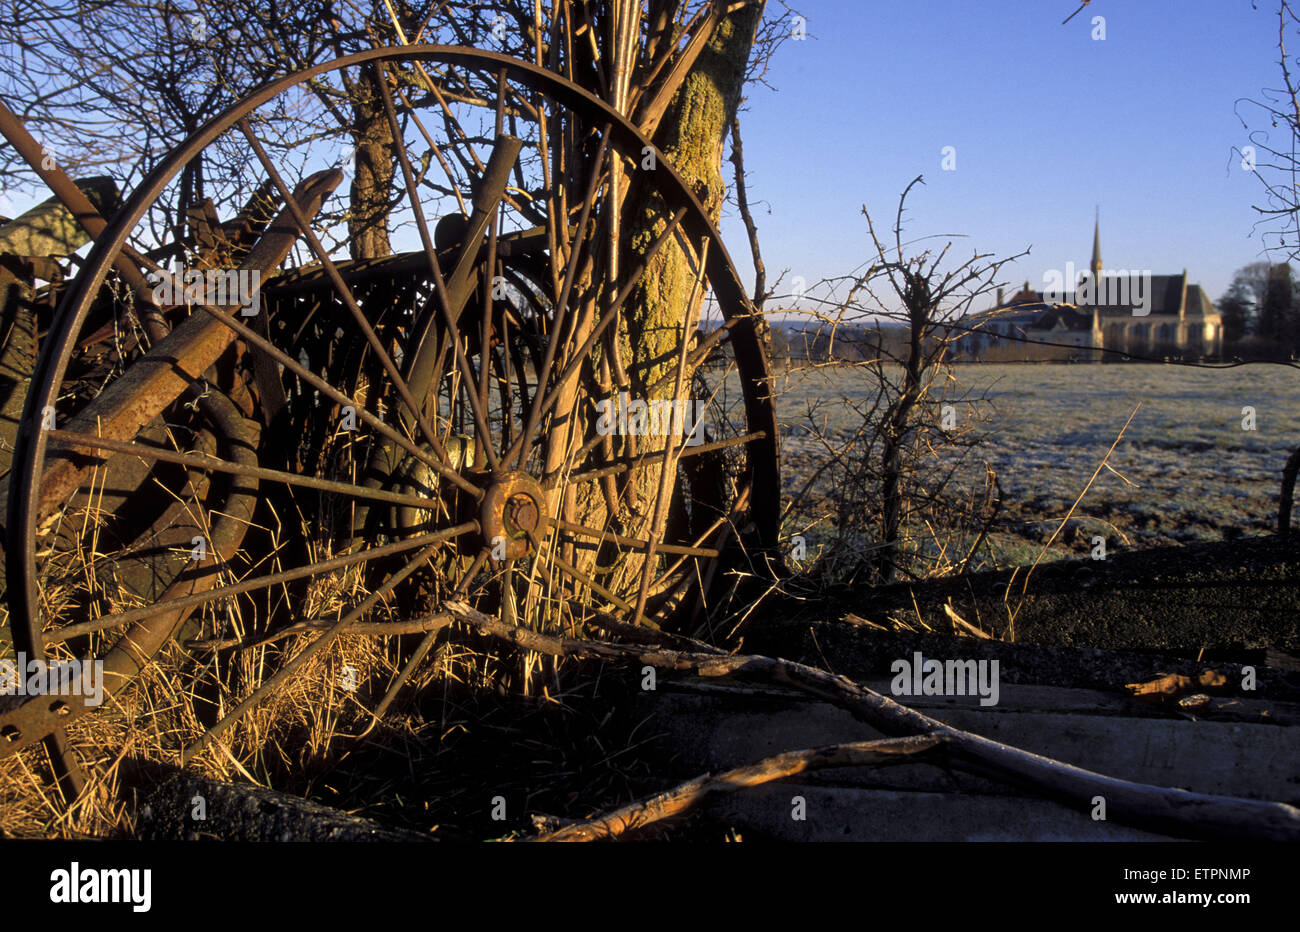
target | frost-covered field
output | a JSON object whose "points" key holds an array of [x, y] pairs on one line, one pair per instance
{"points": [[1193, 470]]}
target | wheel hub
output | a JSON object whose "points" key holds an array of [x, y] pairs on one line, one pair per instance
{"points": [[510, 514]]}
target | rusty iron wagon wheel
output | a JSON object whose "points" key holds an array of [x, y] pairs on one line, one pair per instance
{"points": [[353, 420]]}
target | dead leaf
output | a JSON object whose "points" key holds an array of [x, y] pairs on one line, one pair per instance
{"points": [[1172, 685]]}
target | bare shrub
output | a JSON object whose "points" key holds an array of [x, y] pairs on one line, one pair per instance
{"points": [[882, 449]]}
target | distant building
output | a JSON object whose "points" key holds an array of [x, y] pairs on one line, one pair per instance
{"points": [[1026, 328], [1172, 318]]}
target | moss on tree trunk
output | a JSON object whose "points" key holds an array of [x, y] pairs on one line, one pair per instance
{"points": [[691, 135]]}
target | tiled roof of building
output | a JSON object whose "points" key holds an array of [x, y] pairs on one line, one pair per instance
{"points": [[1199, 303], [1165, 297], [1065, 318], [1035, 316]]}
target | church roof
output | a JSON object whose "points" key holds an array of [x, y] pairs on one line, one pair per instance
{"points": [[1166, 296], [1036, 315], [1167, 293], [1065, 318], [1199, 303], [1025, 296]]}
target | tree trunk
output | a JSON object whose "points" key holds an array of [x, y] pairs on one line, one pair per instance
{"points": [[921, 315], [373, 171], [666, 302], [691, 135]]}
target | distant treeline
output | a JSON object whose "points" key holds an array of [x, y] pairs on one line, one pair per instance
{"points": [[803, 342], [1261, 312]]}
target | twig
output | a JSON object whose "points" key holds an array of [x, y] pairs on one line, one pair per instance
{"points": [[988, 525], [1076, 12], [1171, 811], [751, 229], [1097, 472], [963, 623], [689, 795]]}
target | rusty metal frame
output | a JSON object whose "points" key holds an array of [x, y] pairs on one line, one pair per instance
{"points": [[24, 506]]}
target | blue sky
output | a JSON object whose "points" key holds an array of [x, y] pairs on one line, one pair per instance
{"points": [[1047, 123]]}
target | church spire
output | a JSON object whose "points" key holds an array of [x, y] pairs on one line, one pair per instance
{"points": [[1096, 247]]}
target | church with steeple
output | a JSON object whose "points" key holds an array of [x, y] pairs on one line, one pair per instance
{"points": [[1180, 319], [1107, 316]]}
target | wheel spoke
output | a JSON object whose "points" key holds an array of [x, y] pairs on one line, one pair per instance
{"points": [[583, 531], [668, 465], [338, 397], [562, 302], [489, 288], [575, 573], [433, 147], [443, 297], [427, 641], [261, 582], [216, 464], [345, 293], [708, 532], [591, 475], [548, 401], [270, 685]]}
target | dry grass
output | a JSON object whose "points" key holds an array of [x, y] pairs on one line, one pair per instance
{"points": [[469, 706], [309, 736], [294, 731], [155, 717]]}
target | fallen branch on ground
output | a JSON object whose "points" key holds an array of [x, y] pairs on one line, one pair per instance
{"points": [[1161, 809], [682, 799]]}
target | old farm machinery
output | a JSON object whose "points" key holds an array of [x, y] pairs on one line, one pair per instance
{"points": [[261, 423]]}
